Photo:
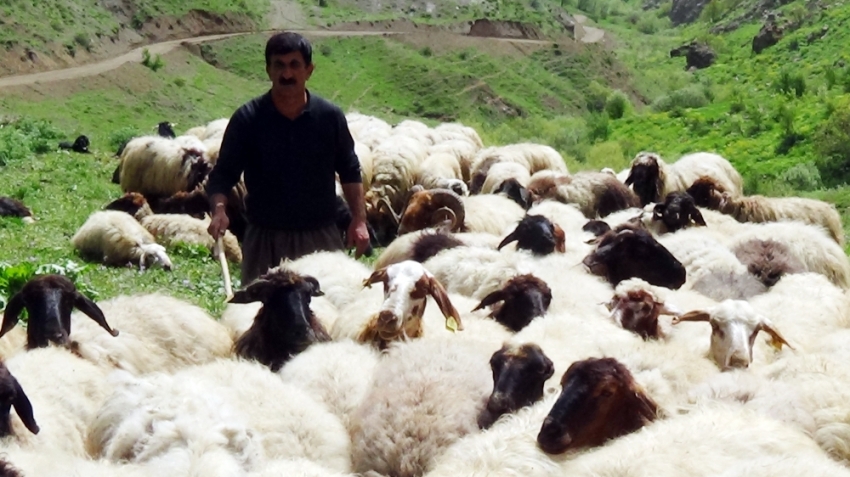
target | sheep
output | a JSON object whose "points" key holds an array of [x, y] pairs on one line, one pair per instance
{"points": [[425, 395], [224, 404], [767, 260], [10, 207], [156, 166], [215, 128], [481, 213], [170, 229], [12, 342], [594, 193], [652, 178], [440, 171], [116, 238], [595, 384], [367, 130], [423, 244], [537, 234], [49, 300], [455, 131], [518, 301], [462, 149], [474, 271], [364, 156], [80, 144], [341, 276], [519, 373], [500, 172], [677, 212], [734, 326], [534, 157], [636, 308], [633, 252], [285, 326]]}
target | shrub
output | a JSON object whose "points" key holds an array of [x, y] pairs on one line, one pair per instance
{"points": [[804, 176], [154, 63], [426, 51], [616, 105], [82, 40], [791, 82], [692, 96], [832, 144], [714, 11], [597, 127], [23, 137], [831, 77]]}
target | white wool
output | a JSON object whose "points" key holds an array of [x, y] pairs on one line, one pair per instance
{"points": [[490, 213], [170, 229], [215, 128], [364, 156], [458, 130], [116, 238], [681, 174], [534, 157], [153, 165], [401, 248], [463, 150], [440, 171], [502, 171], [340, 276], [157, 333], [473, 271], [758, 208], [13, 342]]}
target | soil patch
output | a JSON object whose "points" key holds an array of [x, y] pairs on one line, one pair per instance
{"points": [[504, 29]]}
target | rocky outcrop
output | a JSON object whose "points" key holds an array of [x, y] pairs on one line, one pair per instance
{"points": [[769, 35], [696, 54], [686, 11]]}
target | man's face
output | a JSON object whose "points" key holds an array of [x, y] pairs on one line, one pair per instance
{"points": [[289, 73]]}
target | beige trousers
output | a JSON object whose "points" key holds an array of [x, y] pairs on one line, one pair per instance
{"points": [[265, 248]]}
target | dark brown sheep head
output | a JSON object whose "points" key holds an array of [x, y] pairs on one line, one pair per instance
{"points": [[537, 234], [407, 285], [194, 203], [49, 300], [706, 192], [768, 260], [596, 227], [630, 251], [476, 182], [599, 401], [518, 301], [645, 177], [132, 203], [431, 243], [198, 170], [431, 208], [544, 185], [638, 311], [11, 395], [519, 373], [678, 211]]}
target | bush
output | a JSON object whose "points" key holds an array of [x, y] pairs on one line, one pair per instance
{"points": [[597, 127], [714, 11], [692, 96], [21, 138], [606, 154], [832, 144], [803, 177], [154, 63], [791, 82], [616, 105], [14, 277], [831, 77], [122, 136], [595, 97], [426, 51]]}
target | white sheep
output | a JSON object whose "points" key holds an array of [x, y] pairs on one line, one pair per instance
{"points": [[535, 157], [501, 172], [462, 149], [364, 156], [440, 171], [153, 165], [368, 130], [474, 271], [596, 194], [394, 161], [405, 247], [653, 179], [215, 128], [116, 238], [451, 131], [170, 229]]}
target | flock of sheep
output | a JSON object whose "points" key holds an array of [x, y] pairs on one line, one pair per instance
{"points": [[521, 320]]}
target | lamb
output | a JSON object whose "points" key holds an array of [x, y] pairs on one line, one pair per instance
{"points": [[596, 194], [481, 213], [518, 301], [156, 166], [636, 308], [170, 229], [285, 326], [116, 238], [10, 207], [440, 171], [652, 178], [49, 300], [425, 395], [537, 234], [406, 286], [534, 157]]}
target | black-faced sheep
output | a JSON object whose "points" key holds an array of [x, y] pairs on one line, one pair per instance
{"points": [[49, 300], [515, 191], [285, 325], [81, 145], [518, 301], [165, 129], [519, 373], [677, 212], [10, 207], [11, 394], [768, 260], [537, 234], [632, 252], [599, 401], [652, 178]]}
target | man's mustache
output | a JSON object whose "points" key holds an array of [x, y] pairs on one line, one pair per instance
{"points": [[286, 82]]}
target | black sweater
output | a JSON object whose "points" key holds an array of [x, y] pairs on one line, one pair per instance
{"points": [[289, 165]]}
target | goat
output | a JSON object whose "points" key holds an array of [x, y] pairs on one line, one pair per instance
{"points": [[49, 300], [538, 234], [519, 373], [518, 301], [599, 401], [285, 325]]}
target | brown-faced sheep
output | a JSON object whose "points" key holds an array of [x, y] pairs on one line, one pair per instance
{"points": [[599, 401], [488, 213], [519, 373], [636, 309]]}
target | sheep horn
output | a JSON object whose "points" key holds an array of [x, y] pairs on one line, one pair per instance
{"points": [[444, 214], [692, 316], [449, 199], [385, 202]]}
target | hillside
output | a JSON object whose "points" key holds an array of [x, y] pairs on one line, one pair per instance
{"points": [[594, 79]]}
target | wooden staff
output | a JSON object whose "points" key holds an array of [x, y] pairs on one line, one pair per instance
{"points": [[218, 250]]}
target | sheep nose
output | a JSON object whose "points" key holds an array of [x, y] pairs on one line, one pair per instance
{"points": [[387, 318], [738, 361], [498, 403]]}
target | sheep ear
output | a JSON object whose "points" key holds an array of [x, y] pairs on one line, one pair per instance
{"points": [[256, 291], [696, 216], [776, 339], [13, 310], [23, 408], [631, 178], [90, 308], [549, 366], [435, 288], [697, 315], [510, 238], [377, 276], [492, 298], [315, 288], [668, 309], [560, 238]]}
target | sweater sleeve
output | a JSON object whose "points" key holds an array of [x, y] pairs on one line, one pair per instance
{"points": [[346, 163], [234, 152]]}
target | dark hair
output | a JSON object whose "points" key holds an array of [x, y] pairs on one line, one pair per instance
{"points": [[287, 42]]}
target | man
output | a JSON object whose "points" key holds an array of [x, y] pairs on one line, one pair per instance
{"points": [[288, 143]]}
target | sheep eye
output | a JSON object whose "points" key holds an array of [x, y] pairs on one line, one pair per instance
{"points": [[606, 393]]}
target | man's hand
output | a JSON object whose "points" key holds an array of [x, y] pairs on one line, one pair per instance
{"points": [[219, 223], [358, 236]]}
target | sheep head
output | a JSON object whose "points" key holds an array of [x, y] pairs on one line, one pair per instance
{"points": [[431, 243], [518, 301], [132, 203], [11, 394], [430, 208], [646, 177], [599, 401], [544, 184], [285, 325], [678, 211], [49, 300], [637, 310], [152, 254], [630, 251], [734, 326], [165, 129], [768, 260], [455, 185], [519, 373], [381, 214], [516, 192], [194, 203], [538, 234], [406, 287], [596, 227], [706, 192]]}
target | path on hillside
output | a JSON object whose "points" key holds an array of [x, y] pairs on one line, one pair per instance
{"points": [[164, 47]]}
